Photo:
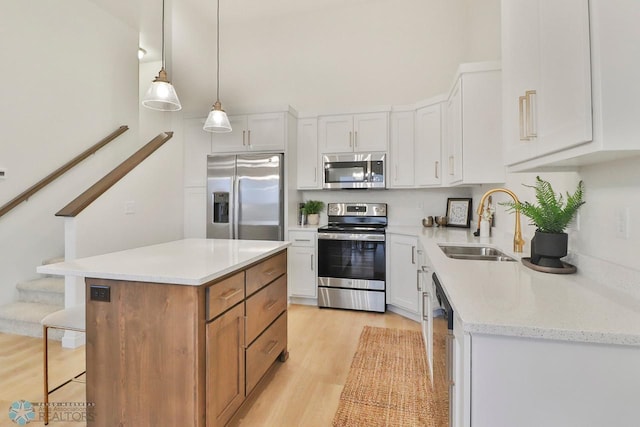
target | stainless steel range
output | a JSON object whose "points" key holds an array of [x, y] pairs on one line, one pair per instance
{"points": [[351, 257]]}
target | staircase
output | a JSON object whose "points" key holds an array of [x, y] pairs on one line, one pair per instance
{"points": [[36, 299]]}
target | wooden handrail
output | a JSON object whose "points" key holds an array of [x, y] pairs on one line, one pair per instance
{"points": [[24, 196], [97, 189]]}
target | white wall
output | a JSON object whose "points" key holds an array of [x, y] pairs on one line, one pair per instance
{"points": [[71, 77], [482, 29], [323, 57]]}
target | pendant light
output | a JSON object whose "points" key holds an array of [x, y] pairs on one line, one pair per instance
{"points": [[161, 94], [217, 121]]}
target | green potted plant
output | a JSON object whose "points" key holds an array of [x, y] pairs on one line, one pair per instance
{"points": [[551, 215], [311, 209]]}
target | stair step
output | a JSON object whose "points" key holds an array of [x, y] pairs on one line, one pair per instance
{"points": [[45, 290], [23, 318]]}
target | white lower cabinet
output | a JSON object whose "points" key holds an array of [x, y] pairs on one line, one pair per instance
{"points": [[403, 291], [302, 264]]}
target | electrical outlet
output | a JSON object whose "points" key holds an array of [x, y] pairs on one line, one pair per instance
{"points": [[621, 218], [3, 173], [100, 293]]}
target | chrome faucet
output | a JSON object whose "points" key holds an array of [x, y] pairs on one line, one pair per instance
{"points": [[518, 241]]}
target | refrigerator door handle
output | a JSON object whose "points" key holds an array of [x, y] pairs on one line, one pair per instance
{"points": [[236, 207]]}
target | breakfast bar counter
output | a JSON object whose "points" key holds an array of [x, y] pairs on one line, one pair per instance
{"points": [[180, 333]]}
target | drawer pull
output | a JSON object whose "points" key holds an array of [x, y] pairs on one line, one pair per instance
{"points": [[271, 345], [302, 240], [229, 294], [270, 305], [270, 271]]}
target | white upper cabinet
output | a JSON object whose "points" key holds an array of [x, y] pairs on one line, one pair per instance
{"points": [[570, 69], [401, 150], [547, 76], [473, 128], [428, 146], [347, 133], [253, 132], [307, 150]]}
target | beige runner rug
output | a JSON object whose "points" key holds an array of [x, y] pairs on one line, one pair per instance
{"points": [[388, 383]]}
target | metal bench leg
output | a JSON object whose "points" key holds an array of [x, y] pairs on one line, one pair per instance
{"points": [[45, 337]]}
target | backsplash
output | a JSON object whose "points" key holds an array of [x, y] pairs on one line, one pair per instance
{"points": [[406, 207], [596, 245]]}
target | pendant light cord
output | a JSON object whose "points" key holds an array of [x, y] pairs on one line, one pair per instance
{"points": [[217, 52], [163, 64]]}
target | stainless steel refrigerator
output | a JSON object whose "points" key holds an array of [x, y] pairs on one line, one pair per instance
{"points": [[245, 197]]}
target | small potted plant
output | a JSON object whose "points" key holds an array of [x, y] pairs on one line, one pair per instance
{"points": [[551, 216], [311, 209]]}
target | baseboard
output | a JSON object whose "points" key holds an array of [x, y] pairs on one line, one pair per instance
{"points": [[303, 301], [404, 313]]}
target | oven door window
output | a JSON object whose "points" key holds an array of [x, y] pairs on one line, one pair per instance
{"points": [[346, 172], [351, 259]]}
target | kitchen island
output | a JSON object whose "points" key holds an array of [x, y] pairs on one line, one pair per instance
{"points": [[531, 348], [180, 333]]}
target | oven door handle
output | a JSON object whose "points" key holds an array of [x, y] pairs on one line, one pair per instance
{"points": [[352, 237]]}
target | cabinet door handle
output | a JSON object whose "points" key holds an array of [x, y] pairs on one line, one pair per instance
{"points": [[249, 137], [530, 98], [396, 177], [270, 346], [521, 105], [413, 254], [315, 174], [425, 303], [418, 280], [350, 139], [229, 294], [436, 168], [311, 262], [244, 132], [355, 139], [451, 165]]}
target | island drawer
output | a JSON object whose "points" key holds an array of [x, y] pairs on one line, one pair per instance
{"points": [[265, 272], [263, 307], [264, 351], [224, 295]]}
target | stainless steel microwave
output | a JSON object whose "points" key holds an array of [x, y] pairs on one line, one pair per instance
{"points": [[354, 170]]}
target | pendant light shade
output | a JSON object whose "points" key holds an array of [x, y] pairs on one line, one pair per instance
{"points": [[217, 121], [161, 95]]}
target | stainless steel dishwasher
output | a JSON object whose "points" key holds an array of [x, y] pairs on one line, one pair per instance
{"points": [[449, 355]]}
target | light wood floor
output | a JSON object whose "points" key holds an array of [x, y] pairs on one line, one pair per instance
{"points": [[303, 391]]}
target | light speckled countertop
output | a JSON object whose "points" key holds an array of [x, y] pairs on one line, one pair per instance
{"points": [[507, 298], [183, 262]]}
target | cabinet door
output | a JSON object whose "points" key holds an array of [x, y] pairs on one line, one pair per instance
{"points": [[564, 95], [371, 132], [234, 141], [428, 146], [225, 366], [197, 145], [403, 273], [546, 56], [401, 150], [335, 134], [301, 271], [266, 131], [454, 134], [308, 177]]}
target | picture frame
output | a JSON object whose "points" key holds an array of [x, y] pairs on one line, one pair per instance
{"points": [[459, 212]]}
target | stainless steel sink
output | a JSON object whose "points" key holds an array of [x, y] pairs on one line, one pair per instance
{"points": [[478, 253]]}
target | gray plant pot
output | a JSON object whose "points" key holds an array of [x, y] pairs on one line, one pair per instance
{"points": [[548, 248]]}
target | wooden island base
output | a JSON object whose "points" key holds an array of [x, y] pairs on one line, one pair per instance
{"points": [[167, 355]]}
